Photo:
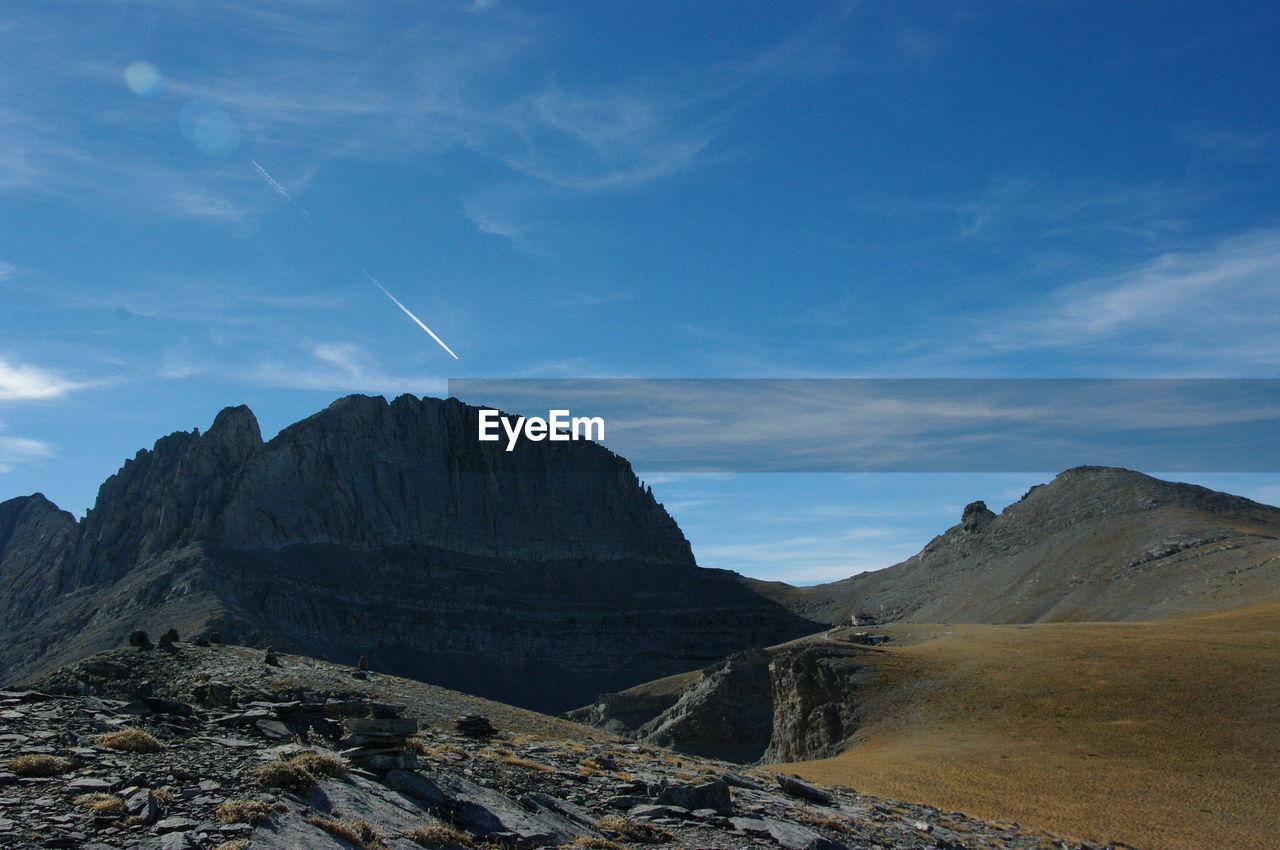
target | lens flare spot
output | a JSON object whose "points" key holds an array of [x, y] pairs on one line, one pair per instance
{"points": [[143, 78], [209, 128]]}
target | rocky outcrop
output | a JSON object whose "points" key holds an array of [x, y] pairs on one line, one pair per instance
{"points": [[624, 712], [817, 701], [789, 703], [727, 713], [976, 517], [541, 576], [1096, 543]]}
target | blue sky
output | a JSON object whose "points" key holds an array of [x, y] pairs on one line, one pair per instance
{"points": [[644, 190]]}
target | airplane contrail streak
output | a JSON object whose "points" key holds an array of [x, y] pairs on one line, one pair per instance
{"points": [[409, 313], [280, 190], [271, 181]]}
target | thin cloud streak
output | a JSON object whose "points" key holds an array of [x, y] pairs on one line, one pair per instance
{"points": [[280, 190], [342, 367], [409, 313]]}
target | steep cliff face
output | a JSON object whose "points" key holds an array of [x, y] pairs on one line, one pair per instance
{"points": [[1096, 543], [817, 701], [790, 703], [540, 576], [368, 474]]}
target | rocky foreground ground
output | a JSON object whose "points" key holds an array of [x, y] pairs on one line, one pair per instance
{"points": [[232, 748]]}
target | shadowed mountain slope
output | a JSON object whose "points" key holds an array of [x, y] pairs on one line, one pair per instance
{"points": [[540, 576]]}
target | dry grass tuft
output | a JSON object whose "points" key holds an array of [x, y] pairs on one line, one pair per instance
{"points": [[40, 765], [529, 763], [361, 833], [444, 752], [252, 812], [286, 775], [320, 765], [819, 819], [634, 830], [592, 843], [103, 804], [164, 797], [130, 741], [437, 833], [237, 844], [300, 773]]}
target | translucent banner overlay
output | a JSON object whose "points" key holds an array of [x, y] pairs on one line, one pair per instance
{"points": [[912, 425]]}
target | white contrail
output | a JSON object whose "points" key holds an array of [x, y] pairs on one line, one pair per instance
{"points": [[271, 181], [280, 190], [409, 313]]}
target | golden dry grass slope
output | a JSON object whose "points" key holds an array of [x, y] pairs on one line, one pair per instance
{"points": [[1162, 734]]}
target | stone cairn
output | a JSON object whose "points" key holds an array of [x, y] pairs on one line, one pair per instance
{"points": [[377, 743], [475, 726]]}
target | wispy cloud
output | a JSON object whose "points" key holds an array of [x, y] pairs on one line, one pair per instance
{"points": [[197, 202], [451, 79], [21, 382], [21, 449], [1220, 304], [1227, 143], [15, 451], [1011, 206], [343, 367], [496, 211]]}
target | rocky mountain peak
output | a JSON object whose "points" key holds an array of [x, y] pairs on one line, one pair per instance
{"points": [[236, 426], [543, 575]]}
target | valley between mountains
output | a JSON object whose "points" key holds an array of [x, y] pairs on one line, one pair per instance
{"points": [[1099, 661]]}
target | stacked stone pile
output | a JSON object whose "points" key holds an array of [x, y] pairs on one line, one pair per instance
{"points": [[475, 726], [377, 743]]}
